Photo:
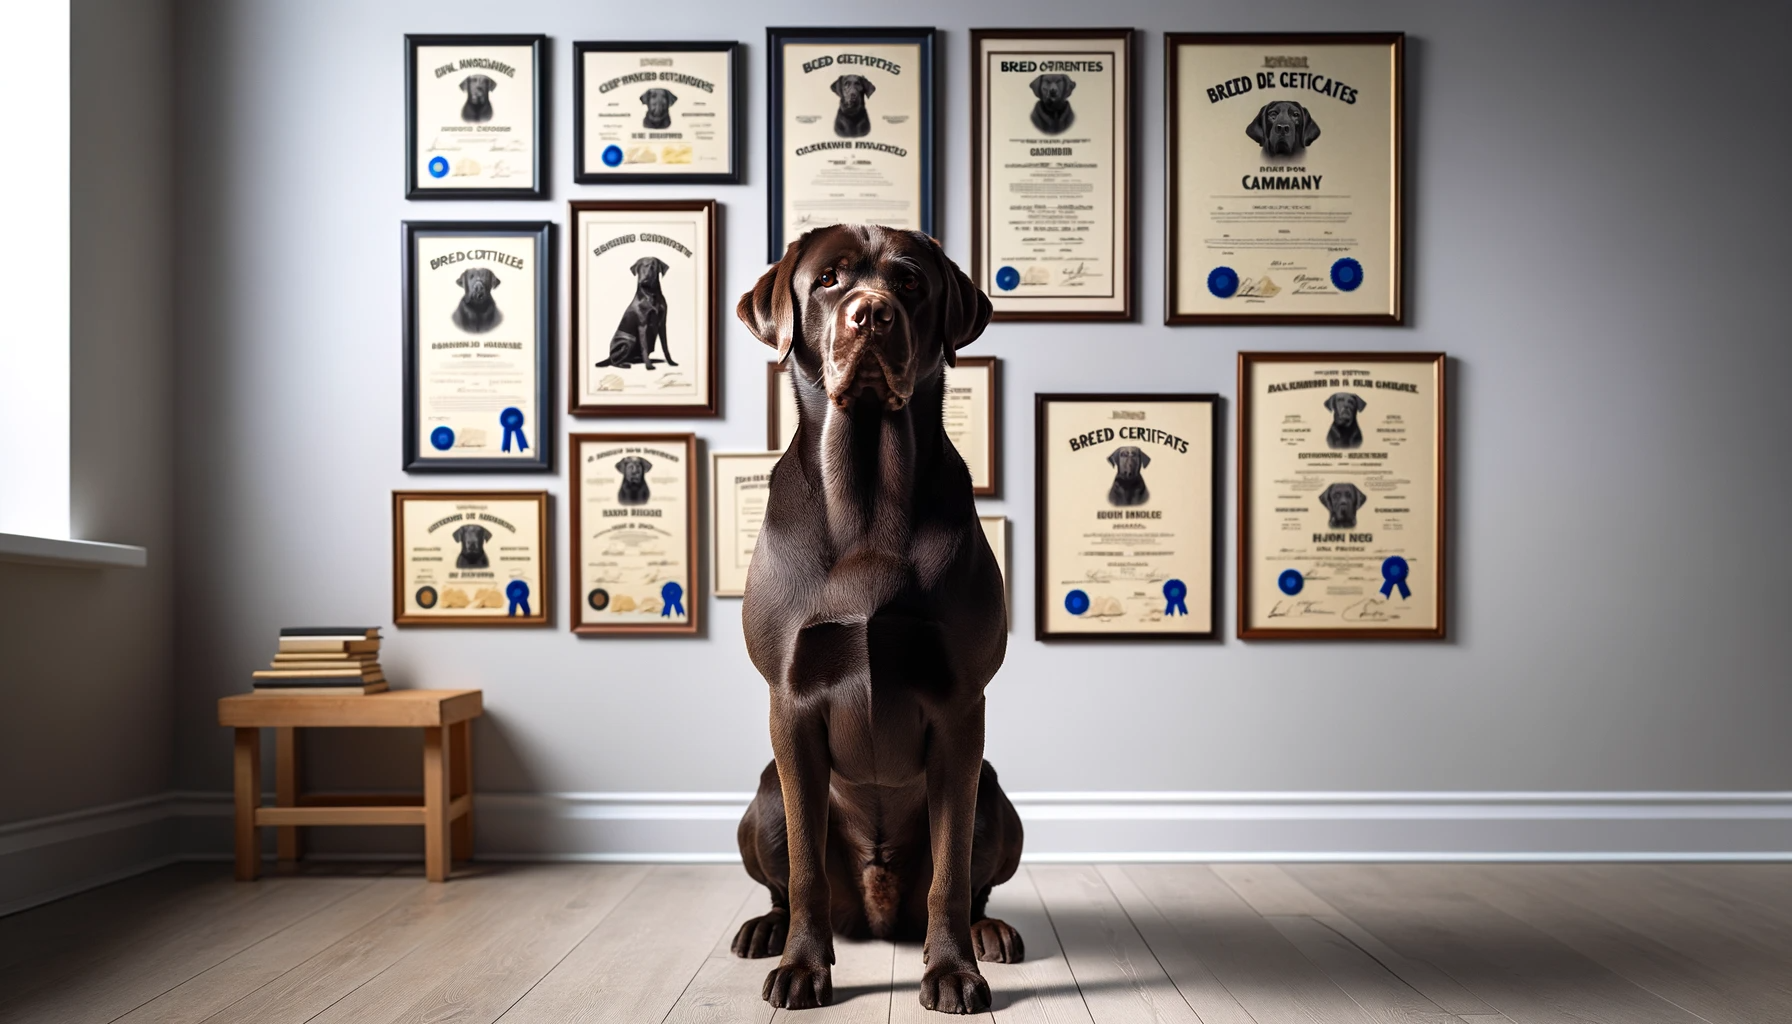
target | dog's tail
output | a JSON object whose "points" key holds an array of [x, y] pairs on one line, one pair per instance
{"points": [[604, 363], [883, 897]]}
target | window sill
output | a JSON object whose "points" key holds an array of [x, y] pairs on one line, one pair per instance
{"points": [[16, 547]]}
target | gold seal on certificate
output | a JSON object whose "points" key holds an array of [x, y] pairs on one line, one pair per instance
{"points": [[473, 113], [1127, 520], [656, 112], [476, 356], [851, 131], [1051, 157], [1284, 180], [1340, 495], [643, 308], [740, 487], [470, 558], [634, 533]]}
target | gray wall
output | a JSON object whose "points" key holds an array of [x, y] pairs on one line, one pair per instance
{"points": [[1596, 237]]}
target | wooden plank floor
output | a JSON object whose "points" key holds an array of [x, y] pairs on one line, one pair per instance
{"points": [[1219, 944]]}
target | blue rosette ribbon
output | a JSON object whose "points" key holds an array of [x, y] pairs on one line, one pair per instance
{"points": [[511, 420], [1076, 602], [441, 438], [1222, 282], [1291, 581], [672, 596], [1174, 593], [518, 592], [1007, 279], [1393, 574], [1347, 274]]}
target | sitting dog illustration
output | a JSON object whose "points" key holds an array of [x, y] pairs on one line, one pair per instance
{"points": [[644, 321], [1283, 128], [1345, 433], [477, 313], [1129, 482], [472, 538], [634, 489], [1342, 501], [478, 108], [852, 120], [659, 108], [1052, 114]]}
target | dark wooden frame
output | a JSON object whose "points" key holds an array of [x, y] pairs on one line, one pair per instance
{"points": [[774, 380], [543, 72], [1172, 199], [1040, 517], [693, 594], [994, 412], [775, 38], [575, 271], [737, 115], [1125, 225], [542, 612], [1246, 360], [415, 460]]}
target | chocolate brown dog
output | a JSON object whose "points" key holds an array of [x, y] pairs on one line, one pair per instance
{"points": [[874, 610]]}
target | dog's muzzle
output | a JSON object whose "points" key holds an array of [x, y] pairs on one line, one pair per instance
{"points": [[870, 352]]}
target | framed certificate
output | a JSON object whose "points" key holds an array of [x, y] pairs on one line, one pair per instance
{"points": [[634, 534], [470, 558], [995, 531], [1052, 166], [852, 129], [475, 117], [1284, 178], [643, 308], [973, 418], [780, 406], [477, 346], [1341, 495], [657, 113], [1127, 535], [740, 484]]}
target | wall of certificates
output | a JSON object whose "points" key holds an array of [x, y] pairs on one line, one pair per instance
{"points": [[1283, 207]]}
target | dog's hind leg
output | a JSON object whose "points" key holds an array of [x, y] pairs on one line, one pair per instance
{"points": [[665, 346], [764, 852]]}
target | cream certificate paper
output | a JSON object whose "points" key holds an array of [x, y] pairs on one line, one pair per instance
{"points": [[1128, 494], [475, 117], [634, 565], [657, 112], [623, 256], [1054, 150], [740, 485], [851, 142], [476, 347], [969, 387], [1286, 179], [470, 557], [1342, 495]]}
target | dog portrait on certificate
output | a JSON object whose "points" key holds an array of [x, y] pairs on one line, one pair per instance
{"points": [[659, 108], [1053, 114], [852, 120], [1283, 128], [1129, 477], [1345, 433], [634, 489], [477, 313], [1343, 500], [478, 107]]}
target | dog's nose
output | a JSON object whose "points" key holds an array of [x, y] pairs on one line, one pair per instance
{"points": [[871, 313]]}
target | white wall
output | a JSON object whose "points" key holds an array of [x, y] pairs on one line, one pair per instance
{"points": [[1597, 237]]}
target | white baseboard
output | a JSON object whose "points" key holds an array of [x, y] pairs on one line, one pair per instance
{"points": [[51, 857]]}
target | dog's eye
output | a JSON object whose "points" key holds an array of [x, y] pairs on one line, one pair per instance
{"points": [[827, 279], [910, 283]]}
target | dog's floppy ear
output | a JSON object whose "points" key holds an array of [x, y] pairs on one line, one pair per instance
{"points": [[770, 309], [836, 85], [1331, 403], [1357, 400], [647, 97], [1357, 497], [461, 281], [465, 83], [1256, 128], [671, 97], [1069, 85], [1114, 457], [1328, 497], [1309, 127], [1144, 459], [491, 280], [663, 265], [964, 309], [1034, 84], [869, 88]]}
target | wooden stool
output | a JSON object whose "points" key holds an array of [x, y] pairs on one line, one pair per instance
{"points": [[445, 808]]}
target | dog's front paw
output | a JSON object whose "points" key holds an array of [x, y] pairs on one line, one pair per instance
{"points": [[668, 362], [763, 936], [954, 991], [799, 986], [997, 942]]}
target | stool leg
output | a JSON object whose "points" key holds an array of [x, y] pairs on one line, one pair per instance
{"points": [[437, 749], [248, 798], [460, 784], [286, 789]]}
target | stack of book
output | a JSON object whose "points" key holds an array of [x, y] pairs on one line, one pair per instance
{"points": [[336, 661]]}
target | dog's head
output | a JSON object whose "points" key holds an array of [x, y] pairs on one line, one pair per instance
{"points": [[478, 283], [868, 309], [852, 90], [1283, 128], [472, 539], [1344, 406], [478, 88], [1342, 500], [658, 101], [648, 269], [1128, 462], [1053, 89], [633, 469]]}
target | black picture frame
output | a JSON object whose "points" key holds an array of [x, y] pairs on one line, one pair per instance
{"points": [[775, 39], [542, 71], [415, 461], [737, 115]]}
